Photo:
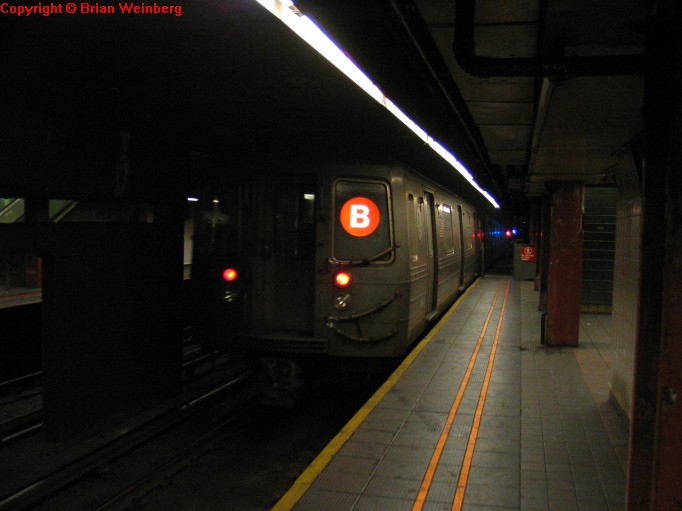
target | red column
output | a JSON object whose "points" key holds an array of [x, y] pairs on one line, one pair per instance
{"points": [[565, 265]]}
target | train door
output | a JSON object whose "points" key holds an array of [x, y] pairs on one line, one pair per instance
{"points": [[217, 248], [432, 256], [283, 269]]}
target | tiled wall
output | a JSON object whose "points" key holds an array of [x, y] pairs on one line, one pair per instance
{"points": [[599, 226], [626, 292]]}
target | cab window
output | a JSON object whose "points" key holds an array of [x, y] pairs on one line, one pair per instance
{"points": [[362, 225], [218, 227], [294, 221]]}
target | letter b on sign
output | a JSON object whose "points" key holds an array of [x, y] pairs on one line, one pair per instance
{"points": [[360, 216]]}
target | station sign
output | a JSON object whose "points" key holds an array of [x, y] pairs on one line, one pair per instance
{"points": [[528, 253], [360, 216]]}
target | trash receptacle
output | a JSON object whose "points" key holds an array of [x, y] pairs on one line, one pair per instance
{"points": [[524, 261]]}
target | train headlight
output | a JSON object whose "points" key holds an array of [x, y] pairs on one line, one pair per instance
{"points": [[342, 279]]}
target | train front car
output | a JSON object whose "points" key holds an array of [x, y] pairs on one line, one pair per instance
{"points": [[408, 248], [343, 262], [363, 292], [326, 276]]}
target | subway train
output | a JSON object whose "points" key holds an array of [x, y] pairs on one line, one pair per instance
{"points": [[350, 262]]}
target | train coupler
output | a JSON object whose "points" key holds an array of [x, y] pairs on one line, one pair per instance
{"points": [[281, 382]]}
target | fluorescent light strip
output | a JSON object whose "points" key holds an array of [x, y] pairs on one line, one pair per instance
{"points": [[306, 29]]}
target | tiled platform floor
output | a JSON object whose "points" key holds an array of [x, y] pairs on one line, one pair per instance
{"points": [[549, 438]]}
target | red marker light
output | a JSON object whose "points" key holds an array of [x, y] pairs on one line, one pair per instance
{"points": [[230, 275], [508, 233], [342, 279]]}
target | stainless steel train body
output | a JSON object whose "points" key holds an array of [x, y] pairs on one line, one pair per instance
{"points": [[405, 248]]}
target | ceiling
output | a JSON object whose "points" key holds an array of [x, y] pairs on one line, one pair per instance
{"points": [[561, 92], [553, 89], [543, 89]]}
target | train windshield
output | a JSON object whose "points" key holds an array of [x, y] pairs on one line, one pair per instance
{"points": [[218, 226], [362, 229], [294, 221]]}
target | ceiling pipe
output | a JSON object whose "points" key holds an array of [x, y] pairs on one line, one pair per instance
{"points": [[540, 66], [546, 90]]}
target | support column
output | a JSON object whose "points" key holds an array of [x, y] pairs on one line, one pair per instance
{"points": [[111, 338], [565, 265], [543, 255], [36, 210], [655, 434]]}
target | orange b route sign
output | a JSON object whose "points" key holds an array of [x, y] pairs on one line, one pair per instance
{"points": [[360, 216]]}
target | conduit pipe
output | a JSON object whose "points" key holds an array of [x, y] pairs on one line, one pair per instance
{"points": [[537, 67]]}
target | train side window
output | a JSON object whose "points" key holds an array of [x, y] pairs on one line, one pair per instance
{"points": [[413, 226], [420, 214], [467, 231], [362, 226], [446, 211]]}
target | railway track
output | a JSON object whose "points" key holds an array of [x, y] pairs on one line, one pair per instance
{"points": [[21, 398], [21, 404], [235, 390]]}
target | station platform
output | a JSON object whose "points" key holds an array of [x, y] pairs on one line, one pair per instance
{"points": [[481, 416], [14, 297]]}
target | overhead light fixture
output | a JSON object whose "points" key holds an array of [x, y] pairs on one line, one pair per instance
{"points": [[306, 29]]}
